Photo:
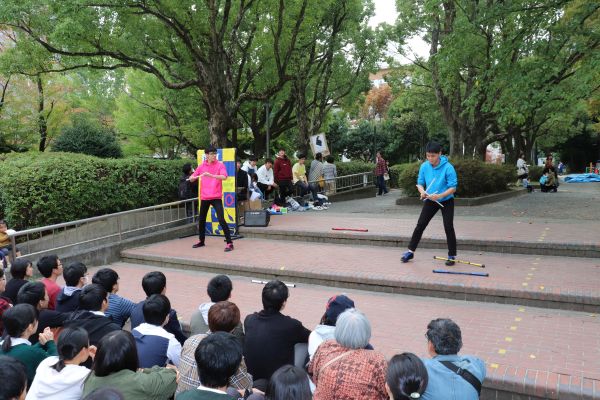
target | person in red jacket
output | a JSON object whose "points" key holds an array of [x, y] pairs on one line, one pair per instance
{"points": [[283, 176]]}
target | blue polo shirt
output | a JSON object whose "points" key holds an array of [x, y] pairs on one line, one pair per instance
{"points": [[448, 385]]}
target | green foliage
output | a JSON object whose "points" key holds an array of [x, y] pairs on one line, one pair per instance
{"points": [[396, 172], [475, 178], [38, 189], [353, 167], [87, 138]]}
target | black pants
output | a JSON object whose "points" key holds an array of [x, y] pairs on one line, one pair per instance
{"points": [[430, 208], [285, 190], [218, 206], [265, 189]]}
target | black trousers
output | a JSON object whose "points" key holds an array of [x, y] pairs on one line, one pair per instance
{"points": [[286, 188], [265, 189], [430, 208], [218, 206]]}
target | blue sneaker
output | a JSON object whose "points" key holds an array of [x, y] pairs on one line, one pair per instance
{"points": [[406, 257], [450, 262]]}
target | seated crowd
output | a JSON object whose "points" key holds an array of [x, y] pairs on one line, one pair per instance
{"points": [[281, 180], [73, 345]]}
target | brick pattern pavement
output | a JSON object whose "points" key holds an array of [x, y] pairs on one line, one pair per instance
{"points": [[557, 279], [529, 350]]}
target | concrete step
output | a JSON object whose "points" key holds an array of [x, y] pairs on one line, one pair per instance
{"points": [[542, 281], [530, 353], [507, 236]]}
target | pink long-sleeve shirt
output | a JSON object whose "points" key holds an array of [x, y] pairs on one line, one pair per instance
{"points": [[211, 188]]}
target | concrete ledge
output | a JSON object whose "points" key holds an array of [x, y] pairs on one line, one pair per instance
{"points": [[469, 201], [566, 301], [372, 239]]}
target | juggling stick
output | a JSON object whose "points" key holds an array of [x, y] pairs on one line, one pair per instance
{"points": [[350, 229], [445, 271], [265, 282], [459, 261]]}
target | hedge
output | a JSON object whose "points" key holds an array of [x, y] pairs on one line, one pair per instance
{"points": [[475, 178], [38, 189]]}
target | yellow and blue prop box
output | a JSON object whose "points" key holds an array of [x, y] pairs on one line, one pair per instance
{"points": [[212, 227]]}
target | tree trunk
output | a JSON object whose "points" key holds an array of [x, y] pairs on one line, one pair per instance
{"points": [[42, 123]]}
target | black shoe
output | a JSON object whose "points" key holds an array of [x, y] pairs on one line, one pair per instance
{"points": [[450, 262], [199, 244]]}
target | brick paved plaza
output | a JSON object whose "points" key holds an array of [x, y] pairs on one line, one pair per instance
{"points": [[534, 320]]}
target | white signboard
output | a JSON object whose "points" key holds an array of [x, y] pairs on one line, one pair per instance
{"points": [[318, 144]]}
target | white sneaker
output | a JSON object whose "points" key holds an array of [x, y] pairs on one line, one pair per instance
{"points": [[318, 208]]}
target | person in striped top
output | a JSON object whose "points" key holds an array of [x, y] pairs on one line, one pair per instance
{"points": [[119, 308]]}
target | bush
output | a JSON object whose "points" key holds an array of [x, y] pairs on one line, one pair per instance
{"points": [[38, 189], [475, 178], [535, 173], [396, 172], [353, 167], [86, 138]]}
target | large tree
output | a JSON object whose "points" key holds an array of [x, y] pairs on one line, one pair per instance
{"points": [[494, 64], [222, 48]]}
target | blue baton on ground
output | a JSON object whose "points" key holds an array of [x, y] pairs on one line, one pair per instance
{"points": [[445, 271]]}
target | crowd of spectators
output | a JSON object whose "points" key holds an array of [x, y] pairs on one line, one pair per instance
{"points": [[77, 347]]}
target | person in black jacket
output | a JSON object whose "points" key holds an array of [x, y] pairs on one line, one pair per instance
{"points": [[155, 282], [188, 190], [270, 335], [20, 270], [35, 293], [93, 302], [241, 182], [75, 276]]}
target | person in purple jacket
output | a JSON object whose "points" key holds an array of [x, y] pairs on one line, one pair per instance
{"points": [[212, 173]]}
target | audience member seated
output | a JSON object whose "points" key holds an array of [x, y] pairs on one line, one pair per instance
{"points": [[156, 346], [116, 365], [255, 192], [329, 174], [62, 377], [51, 268], [301, 183], [549, 179], [75, 276], [325, 330], [105, 393], [119, 308], [343, 368], [36, 295], [14, 379], [5, 242], [266, 178], [316, 172], [289, 383], [242, 181], [218, 289], [406, 377], [450, 376], [218, 356], [5, 302], [270, 335], [250, 165], [20, 322], [156, 283], [223, 316], [91, 316], [21, 270]]}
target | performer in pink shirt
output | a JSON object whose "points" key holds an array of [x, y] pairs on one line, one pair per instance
{"points": [[212, 173]]}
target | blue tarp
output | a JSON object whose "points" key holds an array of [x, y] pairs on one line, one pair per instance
{"points": [[582, 178]]}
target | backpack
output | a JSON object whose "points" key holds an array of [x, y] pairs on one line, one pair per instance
{"points": [[183, 190]]}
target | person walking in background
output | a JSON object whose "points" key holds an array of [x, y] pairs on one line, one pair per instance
{"points": [[436, 183], [212, 173], [381, 170]]}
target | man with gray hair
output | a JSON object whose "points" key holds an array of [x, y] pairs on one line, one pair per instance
{"points": [[451, 376], [343, 368]]}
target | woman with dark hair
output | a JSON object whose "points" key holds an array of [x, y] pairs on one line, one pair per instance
{"points": [[20, 322], [62, 377], [406, 377], [289, 383], [13, 378], [20, 270], [116, 365], [5, 302]]}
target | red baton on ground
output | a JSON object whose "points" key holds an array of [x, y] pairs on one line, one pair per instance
{"points": [[350, 229]]}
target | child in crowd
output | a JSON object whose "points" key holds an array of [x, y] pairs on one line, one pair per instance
{"points": [[20, 322], [62, 377]]}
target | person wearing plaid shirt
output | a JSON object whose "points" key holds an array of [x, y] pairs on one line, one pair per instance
{"points": [[223, 316]]}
